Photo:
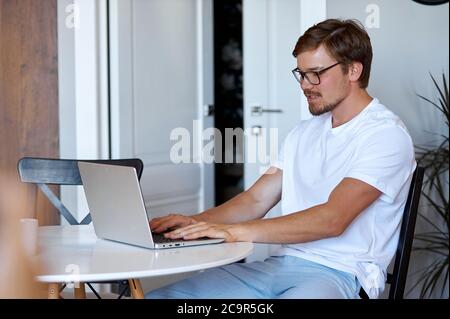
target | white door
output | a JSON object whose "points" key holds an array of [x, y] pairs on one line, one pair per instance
{"points": [[271, 29], [161, 58]]}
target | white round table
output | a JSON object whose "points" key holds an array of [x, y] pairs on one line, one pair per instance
{"points": [[74, 254]]}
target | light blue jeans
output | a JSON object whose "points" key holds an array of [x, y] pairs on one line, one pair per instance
{"points": [[284, 277]]}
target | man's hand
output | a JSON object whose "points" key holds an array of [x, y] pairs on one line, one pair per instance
{"points": [[203, 229], [161, 224]]}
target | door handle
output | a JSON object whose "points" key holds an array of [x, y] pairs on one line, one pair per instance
{"points": [[259, 110], [256, 130], [208, 110]]}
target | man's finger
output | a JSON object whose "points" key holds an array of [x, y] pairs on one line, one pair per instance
{"points": [[170, 223], [155, 222], [189, 228], [165, 226], [178, 233], [210, 232], [158, 220]]}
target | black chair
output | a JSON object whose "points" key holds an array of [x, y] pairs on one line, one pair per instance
{"points": [[397, 279], [44, 172]]}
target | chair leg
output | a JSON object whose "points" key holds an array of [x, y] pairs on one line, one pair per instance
{"points": [[53, 291], [80, 291], [136, 288]]}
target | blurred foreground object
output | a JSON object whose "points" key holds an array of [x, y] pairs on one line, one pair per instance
{"points": [[16, 267]]}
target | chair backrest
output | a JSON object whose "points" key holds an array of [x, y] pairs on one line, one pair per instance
{"points": [[46, 171], [398, 278]]}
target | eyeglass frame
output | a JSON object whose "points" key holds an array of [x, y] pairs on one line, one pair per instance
{"points": [[303, 75]]}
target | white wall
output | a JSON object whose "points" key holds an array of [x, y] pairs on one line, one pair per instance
{"points": [[82, 76], [411, 41], [66, 92]]}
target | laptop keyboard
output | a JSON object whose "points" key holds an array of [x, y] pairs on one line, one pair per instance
{"points": [[159, 238]]}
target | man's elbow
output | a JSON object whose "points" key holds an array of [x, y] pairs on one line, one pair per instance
{"points": [[336, 225], [334, 229], [337, 230]]}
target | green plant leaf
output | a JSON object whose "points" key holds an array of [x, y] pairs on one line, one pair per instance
{"points": [[444, 282], [431, 250], [432, 224], [429, 101], [444, 80], [423, 274], [443, 97], [436, 206], [433, 238], [430, 278], [434, 278], [435, 160], [435, 235], [442, 241]]}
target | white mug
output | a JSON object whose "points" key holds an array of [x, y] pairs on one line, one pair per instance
{"points": [[29, 235]]}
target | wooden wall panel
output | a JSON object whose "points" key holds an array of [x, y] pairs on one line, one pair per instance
{"points": [[28, 97]]}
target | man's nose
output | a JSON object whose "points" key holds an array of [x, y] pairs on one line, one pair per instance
{"points": [[305, 85]]}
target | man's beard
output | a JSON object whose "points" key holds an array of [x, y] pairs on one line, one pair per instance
{"points": [[326, 108]]}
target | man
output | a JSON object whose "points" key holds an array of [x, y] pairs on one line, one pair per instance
{"points": [[342, 178]]}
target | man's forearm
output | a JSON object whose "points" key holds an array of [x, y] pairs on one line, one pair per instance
{"points": [[347, 201], [239, 209], [251, 204], [312, 224]]}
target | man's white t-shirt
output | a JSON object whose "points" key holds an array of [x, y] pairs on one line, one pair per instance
{"points": [[374, 147]]}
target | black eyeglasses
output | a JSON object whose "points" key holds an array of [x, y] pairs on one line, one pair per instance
{"points": [[312, 77]]}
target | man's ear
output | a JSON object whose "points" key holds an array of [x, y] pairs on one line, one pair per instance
{"points": [[354, 71]]}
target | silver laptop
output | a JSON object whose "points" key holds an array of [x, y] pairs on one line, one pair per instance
{"points": [[117, 208]]}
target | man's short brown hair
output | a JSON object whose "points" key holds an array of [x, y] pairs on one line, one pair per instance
{"points": [[346, 40]]}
